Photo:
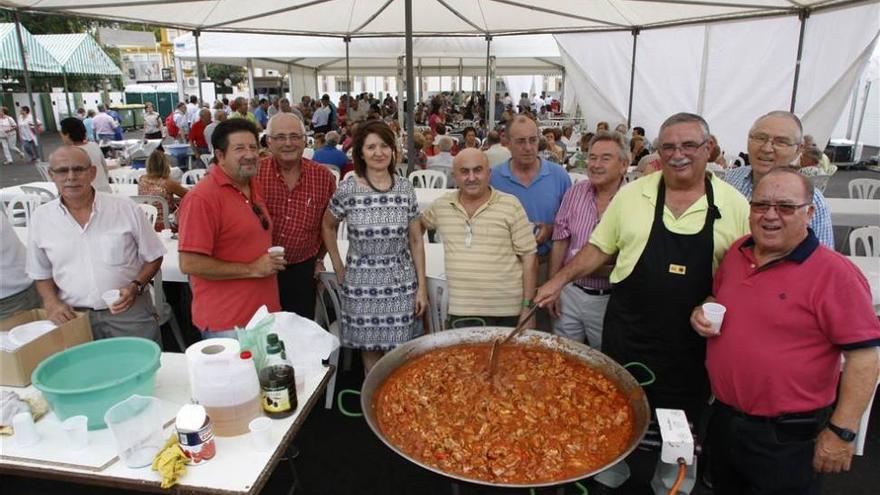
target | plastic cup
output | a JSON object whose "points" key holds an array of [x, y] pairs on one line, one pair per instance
{"points": [[136, 424], [714, 312], [110, 297], [166, 234], [261, 434], [76, 430], [277, 250], [25, 432]]}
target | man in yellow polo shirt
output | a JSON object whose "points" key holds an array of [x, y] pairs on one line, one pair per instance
{"points": [[669, 232], [490, 251]]}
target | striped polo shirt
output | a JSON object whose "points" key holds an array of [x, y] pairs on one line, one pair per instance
{"points": [[483, 269]]}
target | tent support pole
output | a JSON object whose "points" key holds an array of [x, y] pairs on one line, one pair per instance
{"points": [[490, 97], [632, 76], [802, 15], [250, 73], [562, 93], [401, 69], [460, 73], [66, 93], [290, 80], [316, 82], [418, 94], [196, 34], [489, 110], [861, 121], [347, 40], [410, 84], [27, 77]]}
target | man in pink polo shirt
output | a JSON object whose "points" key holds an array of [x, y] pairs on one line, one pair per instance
{"points": [[793, 307], [225, 235]]}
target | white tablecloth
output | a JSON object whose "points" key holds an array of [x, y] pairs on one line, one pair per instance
{"points": [[435, 264], [846, 212]]}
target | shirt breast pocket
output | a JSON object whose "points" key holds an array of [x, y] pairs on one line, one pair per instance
{"points": [[116, 249]]}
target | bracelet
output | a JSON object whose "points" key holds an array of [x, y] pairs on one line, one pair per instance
{"points": [[526, 303]]}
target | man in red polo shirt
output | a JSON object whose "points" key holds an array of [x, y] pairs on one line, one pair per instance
{"points": [[225, 235], [793, 307], [297, 191], [197, 133]]}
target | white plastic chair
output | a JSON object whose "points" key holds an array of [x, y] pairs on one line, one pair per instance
{"points": [[631, 176], [428, 179], [347, 175], [869, 237], [576, 177], [206, 159], [20, 209], [820, 182], [331, 288], [438, 303], [863, 188], [335, 171], [156, 201], [43, 169], [44, 194], [151, 211], [164, 310], [308, 153], [192, 177]]}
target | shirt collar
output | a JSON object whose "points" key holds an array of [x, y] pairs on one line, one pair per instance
{"points": [[507, 171], [799, 254]]}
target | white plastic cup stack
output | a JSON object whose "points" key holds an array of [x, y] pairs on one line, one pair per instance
{"points": [[277, 250], [110, 297], [76, 429], [261, 434], [714, 312]]}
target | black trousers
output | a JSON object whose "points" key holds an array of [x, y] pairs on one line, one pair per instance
{"points": [[752, 455], [296, 286]]}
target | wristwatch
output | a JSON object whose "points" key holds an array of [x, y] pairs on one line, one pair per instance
{"points": [[845, 434], [138, 286], [526, 303]]}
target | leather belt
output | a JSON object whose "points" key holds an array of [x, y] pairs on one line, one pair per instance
{"points": [[593, 292], [815, 414]]}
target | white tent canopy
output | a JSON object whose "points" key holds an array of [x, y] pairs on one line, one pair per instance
{"points": [[537, 54], [365, 18]]}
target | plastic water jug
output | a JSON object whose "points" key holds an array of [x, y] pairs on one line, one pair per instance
{"points": [[225, 382]]}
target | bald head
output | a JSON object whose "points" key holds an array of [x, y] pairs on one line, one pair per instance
{"points": [[471, 171], [284, 120], [469, 157], [69, 156]]}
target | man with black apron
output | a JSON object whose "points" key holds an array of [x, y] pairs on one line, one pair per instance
{"points": [[668, 231]]}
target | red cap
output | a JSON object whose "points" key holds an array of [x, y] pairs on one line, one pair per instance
{"points": [[246, 354]]}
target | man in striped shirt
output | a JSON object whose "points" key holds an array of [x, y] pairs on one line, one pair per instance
{"points": [[490, 251], [580, 309]]}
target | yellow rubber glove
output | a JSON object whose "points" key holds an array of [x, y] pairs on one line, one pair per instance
{"points": [[170, 463]]}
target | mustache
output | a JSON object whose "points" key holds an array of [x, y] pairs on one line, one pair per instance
{"points": [[680, 162]]}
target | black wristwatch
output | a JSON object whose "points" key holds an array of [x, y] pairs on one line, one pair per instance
{"points": [[844, 434]]}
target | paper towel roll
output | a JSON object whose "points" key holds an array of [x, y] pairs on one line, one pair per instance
{"points": [[196, 354]]}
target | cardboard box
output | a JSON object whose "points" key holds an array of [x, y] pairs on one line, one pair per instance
{"points": [[16, 367]]}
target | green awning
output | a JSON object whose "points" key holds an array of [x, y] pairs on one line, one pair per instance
{"points": [[79, 54], [38, 58]]}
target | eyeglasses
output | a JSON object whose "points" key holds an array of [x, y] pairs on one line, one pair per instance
{"points": [[523, 141], [779, 143], [66, 170], [287, 137], [687, 147], [784, 209], [468, 234], [263, 220]]}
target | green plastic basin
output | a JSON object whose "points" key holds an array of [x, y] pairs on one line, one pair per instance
{"points": [[90, 378]]}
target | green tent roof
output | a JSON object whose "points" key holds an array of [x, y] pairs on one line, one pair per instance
{"points": [[79, 54], [39, 59]]}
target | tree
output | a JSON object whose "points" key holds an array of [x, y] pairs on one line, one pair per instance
{"points": [[220, 72]]}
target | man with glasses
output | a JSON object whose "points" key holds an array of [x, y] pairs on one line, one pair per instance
{"points": [[669, 231], [488, 244], [775, 140], [793, 308], [85, 243], [297, 191], [225, 236]]}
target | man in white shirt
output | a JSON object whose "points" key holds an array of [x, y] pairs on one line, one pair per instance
{"points": [[321, 118], [442, 161], [496, 152], [8, 135], [181, 120], [17, 291], [86, 243], [219, 116], [192, 110], [104, 124], [73, 133]]}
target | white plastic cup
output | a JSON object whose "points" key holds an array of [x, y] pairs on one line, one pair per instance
{"points": [[136, 424], [714, 312], [277, 250], [110, 297], [166, 234], [25, 432], [261, 434], [76, 430]]}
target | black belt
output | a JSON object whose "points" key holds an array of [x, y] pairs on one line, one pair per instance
{"points": [[816, 414], [593, 292], [83, 309]]}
